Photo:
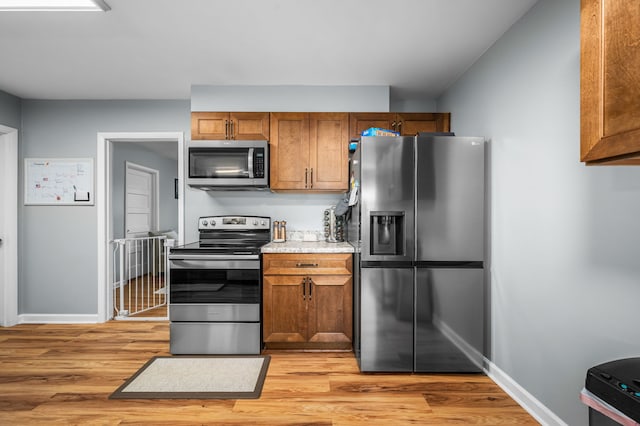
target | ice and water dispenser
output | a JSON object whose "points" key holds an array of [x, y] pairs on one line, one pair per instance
{"points": [[387, 233]]}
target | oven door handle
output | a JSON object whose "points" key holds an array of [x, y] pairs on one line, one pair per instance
{"points": [[198, 262], [216, 258]]}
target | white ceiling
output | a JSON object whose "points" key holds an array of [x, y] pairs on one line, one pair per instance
{"points": [[156, 49]]}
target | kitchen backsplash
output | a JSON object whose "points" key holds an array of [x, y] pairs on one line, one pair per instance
{"points": [[305, 235]]}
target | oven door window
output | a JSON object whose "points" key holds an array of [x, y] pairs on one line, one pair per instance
{"points": [[221, 163], [215, 286]]}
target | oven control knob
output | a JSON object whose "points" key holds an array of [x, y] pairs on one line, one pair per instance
{"points": [[263, 223], [213, 222], [255, 223], [205, 223]]}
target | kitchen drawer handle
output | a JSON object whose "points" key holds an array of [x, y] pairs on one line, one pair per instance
{"points": [[306, 265]]}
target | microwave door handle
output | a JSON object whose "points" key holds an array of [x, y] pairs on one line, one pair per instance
{"points": [[250, 163]]}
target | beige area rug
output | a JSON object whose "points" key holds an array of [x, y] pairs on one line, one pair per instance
{"points": [[201, 377]]}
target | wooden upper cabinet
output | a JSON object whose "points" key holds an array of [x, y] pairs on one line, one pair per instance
{"points": [[329, 151], [289, 151], [309, 151], [229, 125], [407, 123], [610, 82], [411, 123], [359, 121]]}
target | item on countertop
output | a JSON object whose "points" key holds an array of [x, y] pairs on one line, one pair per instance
{"points": [[377, 131], [276, 230], [333, 226], [279, 231]]}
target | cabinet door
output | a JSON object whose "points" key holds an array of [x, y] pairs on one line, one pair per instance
{"points": [[330, 303], [329, 151], [359, 121], [609, 82], [249, 125], [284, 308], [411, 123], [289, 150], [209, 125]]}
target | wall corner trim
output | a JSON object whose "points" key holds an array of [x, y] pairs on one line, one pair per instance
{"points": [[527, 401]]}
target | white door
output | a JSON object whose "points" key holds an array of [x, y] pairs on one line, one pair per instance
{"points": [[140, 213], [8, 226]]}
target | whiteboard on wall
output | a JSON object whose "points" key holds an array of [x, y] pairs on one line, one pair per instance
{"points": [[58, 181]]}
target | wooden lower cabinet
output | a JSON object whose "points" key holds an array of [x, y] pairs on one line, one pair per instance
{"points": [[307, 301]]}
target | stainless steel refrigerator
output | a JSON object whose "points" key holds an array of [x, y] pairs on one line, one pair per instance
{"points": [[418, 225]]}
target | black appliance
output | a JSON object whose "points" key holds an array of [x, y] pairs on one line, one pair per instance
{"points": [[215, 287], [618, 384]]}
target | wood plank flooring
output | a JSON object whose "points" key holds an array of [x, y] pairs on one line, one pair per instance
{"points": [[64, 374], [141, 295]]}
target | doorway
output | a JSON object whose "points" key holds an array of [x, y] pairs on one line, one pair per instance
{"points": [[105, 203], [8, 226], [141, 209]]}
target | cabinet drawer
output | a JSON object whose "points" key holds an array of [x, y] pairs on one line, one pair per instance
{"points": [[307, 264]]}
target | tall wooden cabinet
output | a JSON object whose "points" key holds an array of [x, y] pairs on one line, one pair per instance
{"points": [[309, 151], [407, 123], [610, 82], [229, 125], [307, 301]]}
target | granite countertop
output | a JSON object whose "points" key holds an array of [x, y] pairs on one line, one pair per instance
{"points": [[307, 247]]}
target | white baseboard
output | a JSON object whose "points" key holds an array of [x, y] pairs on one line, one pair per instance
{"points": [[527, 401], [58, 319]]}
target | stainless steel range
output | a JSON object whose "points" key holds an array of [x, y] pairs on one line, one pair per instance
{"points": [[216, 285]]}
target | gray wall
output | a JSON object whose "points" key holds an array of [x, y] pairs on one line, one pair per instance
{"points": [[565, 237], [9, 110], [167, 172], [58, 248], [290, 98]]}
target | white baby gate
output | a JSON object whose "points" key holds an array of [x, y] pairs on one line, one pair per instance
{"points": [[140, 276]]}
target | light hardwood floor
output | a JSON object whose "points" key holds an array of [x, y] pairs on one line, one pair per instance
{"points": [[64, 374], [141, 294]]}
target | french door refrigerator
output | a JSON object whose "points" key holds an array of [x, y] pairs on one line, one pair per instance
{"points": [[418, 228]]}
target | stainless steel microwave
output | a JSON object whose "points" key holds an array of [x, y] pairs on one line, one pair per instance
{"points": [[228, 164]]}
